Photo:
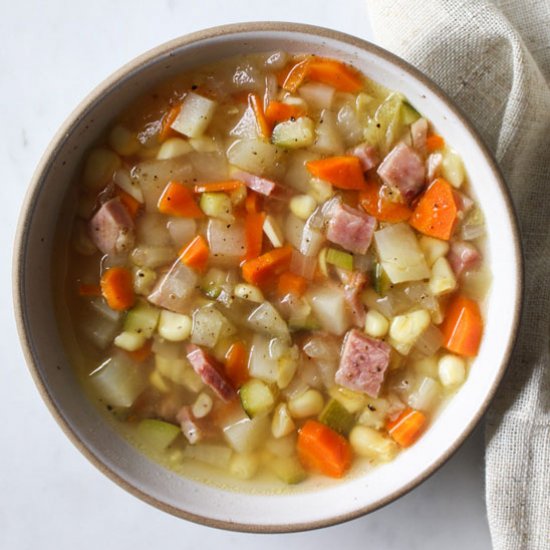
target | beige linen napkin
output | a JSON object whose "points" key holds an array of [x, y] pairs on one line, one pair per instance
{"points": [[493, 59]]}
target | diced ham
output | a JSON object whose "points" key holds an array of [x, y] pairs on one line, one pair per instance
{"points": [[264, 186], [112, 229], [403, 168], [353, 285], [367, 154], [174, 289], [419, 133], [350, 228], [433, 166], [209, 371], [363, 363], [463, 256]]}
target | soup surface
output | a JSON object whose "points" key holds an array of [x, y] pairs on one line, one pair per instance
{"points": [[275, 270]]}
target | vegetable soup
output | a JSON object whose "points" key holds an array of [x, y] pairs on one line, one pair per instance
{"points": [[275, 270]]}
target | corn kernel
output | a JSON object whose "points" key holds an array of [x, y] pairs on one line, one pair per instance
{"points": [[452, 370], [302, 206], [144, 279], [376, 325], [406, 329], [130, 340], [309, 403], [175, 327], [282, 424], [433, 249], [248, 292], [372, 444], [202, 405]]}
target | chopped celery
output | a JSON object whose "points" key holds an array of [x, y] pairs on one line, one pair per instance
{"points": [[304, 323], [380, 280], [217, 205], [157, 434], [287, 469], [142, 318], [337, 417], [256, 398], [339, 258], [294, 134]]}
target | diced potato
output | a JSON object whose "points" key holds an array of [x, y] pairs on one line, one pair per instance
{"points": [[443, 279], [372, 444], [204, 144], [209, 324], [273, 231], [427, 366], [260, 364], [267, 320], [294, 134], [452, 370], [99, 167], [179, 371], [174, 147], [328, 140], [320, 190], [248, 292], [433, 249], [282, 423], [329, 306], [302, 206], [319, 96], [244, 465], [254, 155], [195, 115], [123, 141], [152, 256], [400, 254], [244, 434], [123, 179], [376, 325], [304, 405], [175, 327], [130, 340], [406, 329]]}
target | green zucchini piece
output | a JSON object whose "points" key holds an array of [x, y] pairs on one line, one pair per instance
{"points": [[142, 318], [256, 398], [380, 280], [157, 434], [287, 469], [408, 113], [339, 258], [294, 134], [337, 417]]}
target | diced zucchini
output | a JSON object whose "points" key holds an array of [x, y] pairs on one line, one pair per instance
{"points": [[256, 398], [142, 318], [294, 134], [217, 205], [195, 115], [452, 168], [400, 254], [157, 434], [339, 258], [287, 469], [353, 401], [408, 113], [380, 280], [218, 456], [337, 417]]}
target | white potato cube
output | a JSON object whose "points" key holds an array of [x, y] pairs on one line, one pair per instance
{"points": [[195, 115], [433, 248], [443, 279]]}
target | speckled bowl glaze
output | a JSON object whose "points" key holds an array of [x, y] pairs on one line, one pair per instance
{"points": [[315, 506]]}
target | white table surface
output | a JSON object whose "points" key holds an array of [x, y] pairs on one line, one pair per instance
{"points": [[51, 54]]}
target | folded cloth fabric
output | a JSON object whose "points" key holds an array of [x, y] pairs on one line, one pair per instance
{"points": [[493, 59]]}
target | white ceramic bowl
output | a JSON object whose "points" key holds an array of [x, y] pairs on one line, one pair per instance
{"points": [[303, 509]]}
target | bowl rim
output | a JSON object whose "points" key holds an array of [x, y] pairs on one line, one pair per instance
{"points": [[44, 165]]}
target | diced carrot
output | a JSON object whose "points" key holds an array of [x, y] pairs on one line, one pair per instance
{"points": [[343, 172], [236, 364], [195, 254], [434, 142], [266, 267], [85, 289], [278, 111], [323, 450], [218, 186], [117, 288], [262, 124], [177, 200], [253, 233], [334, 73], [166, 130], [407, 427], [293, 75], [436, 212], [253, 202], [142, 354], [462, 327], [131, 204], [290, 283], [376, 203]]}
